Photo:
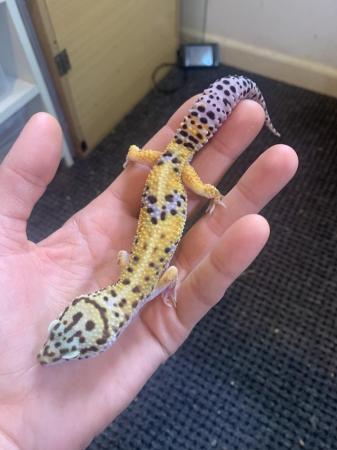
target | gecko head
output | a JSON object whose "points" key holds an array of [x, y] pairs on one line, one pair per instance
{"points": [[77, 334]]}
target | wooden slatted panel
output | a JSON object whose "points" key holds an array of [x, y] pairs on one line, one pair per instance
{"points": [[113, 46]]}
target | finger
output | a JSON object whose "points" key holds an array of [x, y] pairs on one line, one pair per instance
{"points": [[206, 284], [226, 146], [262, 181], [128, 186], [217, 156], [29, 167], [126, 189]]}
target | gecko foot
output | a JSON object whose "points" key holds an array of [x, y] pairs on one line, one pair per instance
{"points": [[169, 296], [125, 163], [214, 202]]}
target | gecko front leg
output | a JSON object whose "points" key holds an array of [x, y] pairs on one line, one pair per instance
{"points": [[142, 156], [167, 285], [192, 180], [123, 259]]}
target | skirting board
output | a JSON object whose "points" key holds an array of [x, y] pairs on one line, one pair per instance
{"points": [[279, 66]]}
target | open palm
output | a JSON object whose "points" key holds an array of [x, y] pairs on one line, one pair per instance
{"points": [[65, 406]]}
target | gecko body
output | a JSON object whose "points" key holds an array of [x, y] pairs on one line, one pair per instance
{"points": [[93, 322]]}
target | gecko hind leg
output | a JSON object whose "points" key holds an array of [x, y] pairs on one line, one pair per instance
{"points": [[142, 156], [167, 285], [192, 180]]}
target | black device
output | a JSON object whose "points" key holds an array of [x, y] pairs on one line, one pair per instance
{"points": [[192, 56]]}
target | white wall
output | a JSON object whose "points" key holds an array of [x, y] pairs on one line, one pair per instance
{"points": [[301, 28], [192, 15], [273, 37]]}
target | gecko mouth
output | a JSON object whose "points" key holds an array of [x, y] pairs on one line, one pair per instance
{"points": [[44, 359], [50, 357]]}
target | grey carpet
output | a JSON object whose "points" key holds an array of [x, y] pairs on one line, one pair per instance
{"points": [[260, 370]]}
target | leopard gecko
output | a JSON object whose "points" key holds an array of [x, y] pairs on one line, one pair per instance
{"points": [[93, 322]]}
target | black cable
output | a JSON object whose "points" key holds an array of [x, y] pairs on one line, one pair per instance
{"points": [[182, 70], [169, 90]]}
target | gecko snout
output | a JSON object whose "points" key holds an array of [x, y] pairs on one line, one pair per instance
{"points": [[58, 346]]}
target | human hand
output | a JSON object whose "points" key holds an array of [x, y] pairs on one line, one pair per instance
{"points": [[65, 406]]}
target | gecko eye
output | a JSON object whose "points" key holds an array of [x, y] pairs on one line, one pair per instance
{"points": [[71, 355], [52, 324]]}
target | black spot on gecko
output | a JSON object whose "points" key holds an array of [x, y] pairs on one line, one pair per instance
{"points": [[134, 304], [136, 289], [211, 115], [75, 319], [152, 198], [92, 348], [103, 315], [154, 220], [90, 325], [129, 269], [169, 197], [126, 281], [122, 302], [193, 139], [167, 249]]}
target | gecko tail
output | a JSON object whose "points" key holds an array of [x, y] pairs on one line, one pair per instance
{"points": [[255, 94], [214, 106]]}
